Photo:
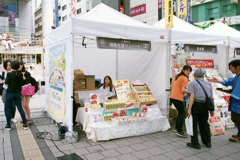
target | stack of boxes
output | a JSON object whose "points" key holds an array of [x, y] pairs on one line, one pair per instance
{"points": [[83, 81], [80, 78], [90, 81]]}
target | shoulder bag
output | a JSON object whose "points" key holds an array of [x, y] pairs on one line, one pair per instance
{"points": [[209, 101]]}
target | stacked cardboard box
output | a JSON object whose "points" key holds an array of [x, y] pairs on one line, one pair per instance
{"points": [[80, 78], [90, 81]]}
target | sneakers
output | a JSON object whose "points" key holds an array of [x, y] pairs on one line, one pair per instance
{"points": [[8, 128], [194, 146], [175, 130], [25, 126], [14, 120], [29, 122], [181, 134]]}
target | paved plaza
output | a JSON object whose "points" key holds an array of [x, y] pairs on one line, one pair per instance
{"points": [[20, 144]]}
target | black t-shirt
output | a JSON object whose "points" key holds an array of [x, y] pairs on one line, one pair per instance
{"points": [[15, 82]]}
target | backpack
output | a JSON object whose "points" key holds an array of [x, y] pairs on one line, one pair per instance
{"points": [[1, 85]]}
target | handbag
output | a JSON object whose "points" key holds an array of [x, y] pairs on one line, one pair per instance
{"points": [[28, 90], [209, 101], [189, 125]]}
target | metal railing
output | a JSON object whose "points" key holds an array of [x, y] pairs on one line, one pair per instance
{"points": [[25, 39]]}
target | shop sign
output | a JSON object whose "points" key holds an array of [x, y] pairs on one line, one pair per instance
{"points": [[182, 9], [229, 21], [56, 13], [200, 48], [188, 11], [197, 2], [168, 4], [200, 63], [123, 44], [138, 10], [159, 4]]}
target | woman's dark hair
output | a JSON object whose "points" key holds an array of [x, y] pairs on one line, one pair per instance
{"points": [[23, 66], [15, 65], [186, 67], [234, 63], [5, 64], [110, 85]]}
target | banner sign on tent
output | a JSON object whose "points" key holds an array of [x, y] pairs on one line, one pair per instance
{"points": [[200, 63], [200, 48], [123, 44], [182, 9], [168, 13], [57, 65]]}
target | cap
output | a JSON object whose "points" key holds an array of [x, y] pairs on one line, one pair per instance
{"points": [[199, 72]]}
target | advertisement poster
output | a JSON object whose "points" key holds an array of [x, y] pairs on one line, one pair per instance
{"points": [[200, 63], [8, 10], [168, 13], [57, 65], [225, 117], [182, 9], [123, 90]]}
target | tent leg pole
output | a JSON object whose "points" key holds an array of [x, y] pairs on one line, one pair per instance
{"points": [[117, 64]]}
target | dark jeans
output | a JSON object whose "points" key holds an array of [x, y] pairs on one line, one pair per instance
{"points": [[181, 113], [13, 109], [238, 126], [200, 117], [16, 97], [74, 111]]}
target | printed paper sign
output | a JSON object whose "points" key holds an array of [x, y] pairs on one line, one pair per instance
{"points": [[200, 63]]}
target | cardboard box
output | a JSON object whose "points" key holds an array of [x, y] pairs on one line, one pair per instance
{"points": [[76, 97], [81, 83], [78, 74], [90, 79], [90, 85], [173, 113]]}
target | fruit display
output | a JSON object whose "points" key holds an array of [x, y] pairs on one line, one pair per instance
{"points": [[114, 114], [112, 106], [128, 119], [141, 88], [107, 117], [146, 97]]}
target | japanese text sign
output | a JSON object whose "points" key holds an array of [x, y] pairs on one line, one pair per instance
{"points": [[138, 10], [200, 63], [168, 14], [182, 9]]}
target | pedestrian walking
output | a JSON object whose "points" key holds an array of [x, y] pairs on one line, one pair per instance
{"points": [[198, 109], [179, 87], [234, 103], [14, 81], [7, 67]]}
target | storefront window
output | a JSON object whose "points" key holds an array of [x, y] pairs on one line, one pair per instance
{"points": [[39, 61], [33, 58], [28, 58]]}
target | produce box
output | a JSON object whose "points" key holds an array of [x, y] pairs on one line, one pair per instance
{"points": [[80, 78], [90, 79], [90, 85]]}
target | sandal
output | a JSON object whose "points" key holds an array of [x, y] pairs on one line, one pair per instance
{"points": [[235, 139]]}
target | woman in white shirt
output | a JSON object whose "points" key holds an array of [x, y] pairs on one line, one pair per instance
{"points": [[108, 87]]}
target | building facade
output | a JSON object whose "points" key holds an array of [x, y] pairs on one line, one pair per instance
{"points": [[206, 12], [147, 11], [16, 23]]}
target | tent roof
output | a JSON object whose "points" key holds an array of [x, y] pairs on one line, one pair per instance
{"points": [[191, 34], [103, 21], [223, 29]]}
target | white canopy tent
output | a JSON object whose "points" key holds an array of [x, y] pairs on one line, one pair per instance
{"points": [[103, 21], [186, 33], [232, 34]]}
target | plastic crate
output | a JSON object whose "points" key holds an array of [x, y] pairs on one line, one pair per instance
{"points": [[129, 112]]}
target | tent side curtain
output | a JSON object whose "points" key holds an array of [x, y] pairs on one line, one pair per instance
{"points": [[110, 30], [59, 33], [235, 42]]}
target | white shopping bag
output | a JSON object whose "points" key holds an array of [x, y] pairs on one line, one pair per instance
{"points": [[189, 125]]}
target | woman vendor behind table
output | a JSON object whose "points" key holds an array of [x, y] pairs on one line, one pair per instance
{"points": [[179, 87], [108, 87]]}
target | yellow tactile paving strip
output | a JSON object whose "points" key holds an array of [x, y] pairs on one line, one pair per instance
{"points": [[30, 148]]}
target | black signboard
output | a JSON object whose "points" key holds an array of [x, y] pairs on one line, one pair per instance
{"points": [[237, 51], [200, 48], [123, 44]]}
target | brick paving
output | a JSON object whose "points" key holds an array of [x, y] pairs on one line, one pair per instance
{"points": [[156, 146]]}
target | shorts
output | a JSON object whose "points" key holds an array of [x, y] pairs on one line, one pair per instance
{"points": [[26, 96]]}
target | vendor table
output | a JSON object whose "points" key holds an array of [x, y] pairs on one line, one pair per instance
{"points": [[100, 131]]}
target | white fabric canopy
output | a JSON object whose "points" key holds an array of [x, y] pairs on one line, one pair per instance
{"points": [[186, 33], [103, 21]]}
